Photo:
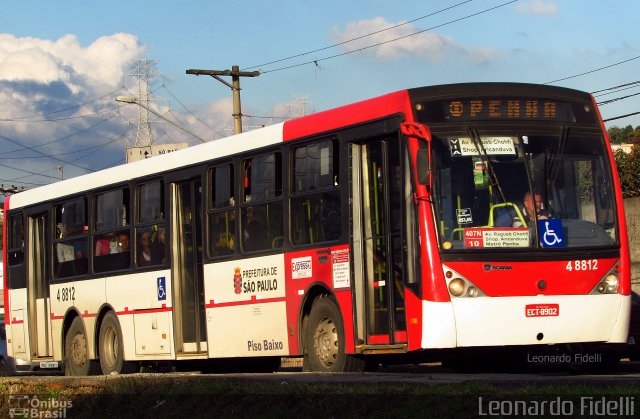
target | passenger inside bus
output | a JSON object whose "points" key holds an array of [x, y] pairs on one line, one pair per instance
{"points": [[105, 243], [144, 249], [530, 209], [80, 245], [158, 247], [254, 231], [121, 245]]}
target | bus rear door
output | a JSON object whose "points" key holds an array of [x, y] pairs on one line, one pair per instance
{"points": [[188, 282], [38, 286]]}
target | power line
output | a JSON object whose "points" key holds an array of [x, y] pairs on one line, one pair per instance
{"points": [[27, 171], [190, 112], [23, 148], [46, 155], [360, 37], [19, 118], [89, 115], [620, 117], [315, 62], [606, 102], [617, 88], [593, 71]]}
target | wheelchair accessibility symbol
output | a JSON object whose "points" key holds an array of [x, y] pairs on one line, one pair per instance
{"points": [[551, 233], [162, 289]]}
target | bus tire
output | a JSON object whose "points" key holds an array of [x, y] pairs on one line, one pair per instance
{"points": [[110, 347], [76, 352], [324, 340]]}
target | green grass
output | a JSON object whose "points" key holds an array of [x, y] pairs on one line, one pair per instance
{"points": [[157, 396]]}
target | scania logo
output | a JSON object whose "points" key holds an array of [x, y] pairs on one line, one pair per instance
{"points": [[489, 267]]}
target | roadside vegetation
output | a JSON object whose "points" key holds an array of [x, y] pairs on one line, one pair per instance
{"points": [[158, 397], [628, 163]]}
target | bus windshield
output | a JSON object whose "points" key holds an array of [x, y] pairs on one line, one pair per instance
{"points": [[497, 189]]}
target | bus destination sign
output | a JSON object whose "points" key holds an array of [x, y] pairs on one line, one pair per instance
{"points": [[497, 108], [502, 109]]}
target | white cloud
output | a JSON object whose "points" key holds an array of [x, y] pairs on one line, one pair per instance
{"points": [[404, 40], [44, 79], [44, 61], [538, 7]]}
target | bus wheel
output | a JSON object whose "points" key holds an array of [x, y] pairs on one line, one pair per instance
{"points": [[111, 348], [76, 356], [324, 340]]}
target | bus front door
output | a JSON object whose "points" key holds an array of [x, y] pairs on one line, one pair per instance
{"points": [[377, 246], [188, 285], [38, 288]]}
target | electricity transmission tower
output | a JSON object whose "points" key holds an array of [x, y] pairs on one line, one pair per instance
{"points": [[144, 70], [301, 100]]}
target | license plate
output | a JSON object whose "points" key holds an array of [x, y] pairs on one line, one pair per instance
{"points": [[49, 364], [542, 310]]}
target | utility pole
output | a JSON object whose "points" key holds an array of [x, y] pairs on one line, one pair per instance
{"points": [[10, 190], [235, 74]]}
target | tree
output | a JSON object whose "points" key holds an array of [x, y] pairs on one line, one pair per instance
{"points": [[628, 165], [624, 135]]}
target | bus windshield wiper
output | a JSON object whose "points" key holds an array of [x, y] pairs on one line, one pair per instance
{"points": [[493, 178], [552, 166]]}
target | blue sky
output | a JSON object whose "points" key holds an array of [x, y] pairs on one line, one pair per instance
{"points": [[63, 63]]}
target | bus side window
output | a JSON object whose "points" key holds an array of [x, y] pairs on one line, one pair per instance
{"points": [[261, 210], [71, 238], [221, 211], [112, 231], [315, 194]]}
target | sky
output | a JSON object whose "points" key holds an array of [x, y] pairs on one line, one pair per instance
{"points": [[63, 63]]}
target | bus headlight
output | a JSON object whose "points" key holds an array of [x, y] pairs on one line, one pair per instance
{"points": [[457, 287], [608, 285], [611, 282]]}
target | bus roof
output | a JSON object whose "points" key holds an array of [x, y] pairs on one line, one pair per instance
{"points": [[271, 134]]}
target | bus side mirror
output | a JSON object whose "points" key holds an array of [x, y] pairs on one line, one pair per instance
{"points": [[423, 160], [424, 167]]}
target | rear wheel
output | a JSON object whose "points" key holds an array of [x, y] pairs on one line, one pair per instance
{"points": [[76, 355], [324, 340], [111, 347]]}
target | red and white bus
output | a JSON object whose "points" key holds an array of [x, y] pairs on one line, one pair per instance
{"points": [[391, 228]]}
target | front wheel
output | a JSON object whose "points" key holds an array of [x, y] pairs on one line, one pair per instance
{"points": [[111, 347], [324, 342], [76, 355]]}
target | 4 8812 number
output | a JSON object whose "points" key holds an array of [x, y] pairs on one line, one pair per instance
{"points": [[66, 294], [582, 265]]}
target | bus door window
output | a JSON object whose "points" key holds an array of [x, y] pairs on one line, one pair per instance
{"points": [[15, 252], [151, 232], [315, 194], [261, 211], [112, 231], [374, 230], [221, 214], [16, 270], [71, 240]]}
